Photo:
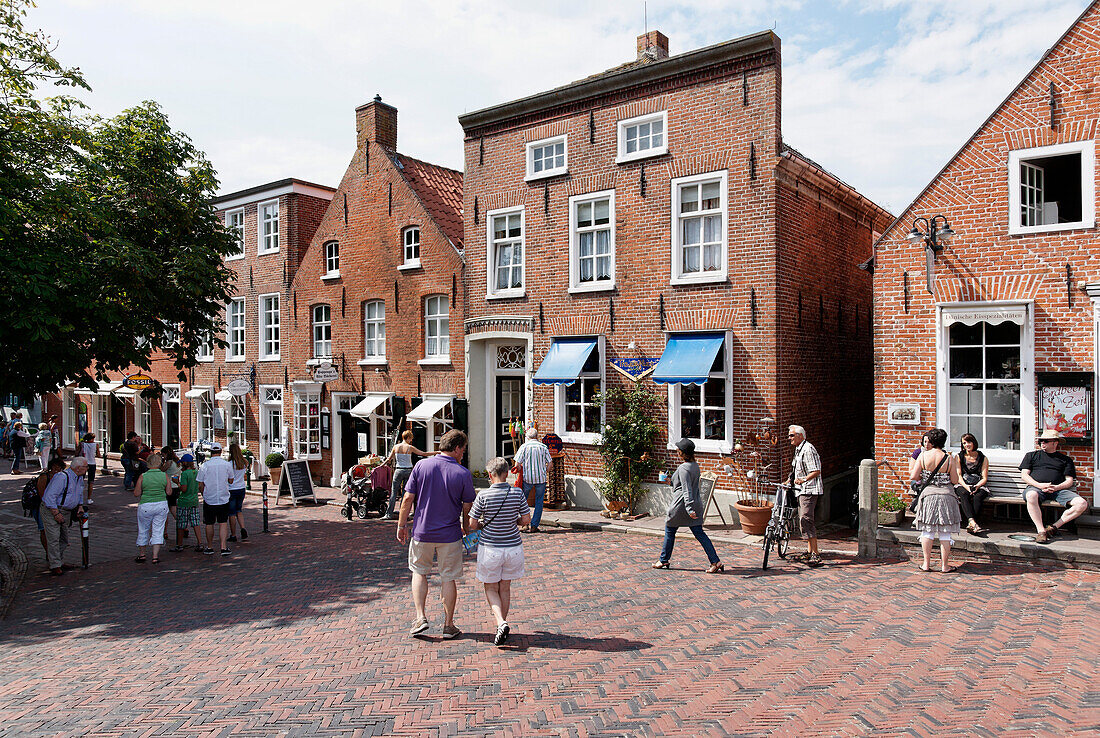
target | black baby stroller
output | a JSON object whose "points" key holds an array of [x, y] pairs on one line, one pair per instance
{"points": [[367, 488]]}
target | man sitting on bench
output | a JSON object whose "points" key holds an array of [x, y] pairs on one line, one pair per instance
{"points": [[1050, 475]]}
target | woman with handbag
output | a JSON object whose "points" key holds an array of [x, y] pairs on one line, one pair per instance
{"points": [[687, 509], [971, 489], [937, 507]]}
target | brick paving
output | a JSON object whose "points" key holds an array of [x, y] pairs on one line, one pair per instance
{"points": [[303, 631]]}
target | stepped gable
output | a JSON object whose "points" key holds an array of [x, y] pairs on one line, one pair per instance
{"points": [[439, 189]]}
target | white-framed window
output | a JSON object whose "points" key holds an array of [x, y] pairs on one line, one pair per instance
{"points": [[548, 157], [307, 422], [269, 327], [205, 351], [381, 426], [234, 223], [986, 378], [578, 416], [267, 218], [204, 418], [236, 424], [332, 259], [437, 328], [72, 420], [103, 423], [592, 242], [704, 413], [410, 240], [374, 331], [143, 416], [1052, 188], [234, 330], [699, 232], [505, 253], [643, 136], [439, 424], [322, 331]]}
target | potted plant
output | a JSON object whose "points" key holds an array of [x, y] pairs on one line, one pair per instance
{"points": [[273, 461], [891, 508], [753, 507], [625, 445]]}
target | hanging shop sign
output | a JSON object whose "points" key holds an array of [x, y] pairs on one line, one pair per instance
{"points": [[138, 382], [635, 367], [239, 386], [325, 372], [553, 443]]}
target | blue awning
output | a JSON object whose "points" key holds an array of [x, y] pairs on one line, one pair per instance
{"points": [[688, 358], [564, 360]]}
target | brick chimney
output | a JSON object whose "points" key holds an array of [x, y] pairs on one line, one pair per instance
{"points": [[376, 121], [653, 45]]}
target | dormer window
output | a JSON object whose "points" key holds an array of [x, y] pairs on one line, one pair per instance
{"points": [[548, 157]]}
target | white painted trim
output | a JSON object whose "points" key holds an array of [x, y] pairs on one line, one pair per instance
{"points": [[373, 361], [331, 275], [260, 250], [336, 431], [490, 254], [703, 445], [441, 361], [620, 149], [244, 245], [1087, 149], [559, 398], [163, 414], [674, 258], [530, 158], [244, 329], [292, 188], [260, 327], [410, 266], [574, 271]]}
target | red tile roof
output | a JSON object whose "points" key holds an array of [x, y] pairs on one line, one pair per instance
{"points": [[440, 189]]}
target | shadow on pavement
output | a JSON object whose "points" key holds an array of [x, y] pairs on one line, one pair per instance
{"points": [[523, 642]]}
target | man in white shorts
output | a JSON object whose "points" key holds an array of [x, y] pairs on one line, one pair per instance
{"points": [[498, 512]]}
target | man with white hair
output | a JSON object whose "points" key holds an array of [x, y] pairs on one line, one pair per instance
{"points": [[63, 495], [534, 459], [806, 476]]}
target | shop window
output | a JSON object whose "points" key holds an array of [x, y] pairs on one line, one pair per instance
{"points": [[642, 136], [268, 216], [699, 229], [592, 242], [547, 158], [1052, 188], [204, 418], [307, 424], [382, 429], [703, 412], [72, 420], [236, 424], [505, 238], [143, 415], [984, 383], [579, 414]]}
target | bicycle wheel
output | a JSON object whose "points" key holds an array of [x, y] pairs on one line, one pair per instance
{"points": [[783, 544], [768, 539]]}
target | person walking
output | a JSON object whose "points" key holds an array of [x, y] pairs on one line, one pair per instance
{"points": [[55, 434], [170, 465], [187, 505], [687, 509], [237, 492], [806, 476], [443, 492], [213, 479], [43, 445], [62, 496], [937, 507], [497, 512], [151, 489], [533, 458], [19, 440], [402, 456], [41, 482], [89, 449], [130, 450]]}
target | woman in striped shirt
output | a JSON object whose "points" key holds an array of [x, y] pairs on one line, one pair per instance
{"points": [[497, 512]]}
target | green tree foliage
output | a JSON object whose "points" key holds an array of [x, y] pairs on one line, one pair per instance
{"points": [[628, 442], [110, 253]]}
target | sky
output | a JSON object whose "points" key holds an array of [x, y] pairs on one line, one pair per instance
{"points": [[880, 92]]}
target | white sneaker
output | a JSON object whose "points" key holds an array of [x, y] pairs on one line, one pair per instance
{"points": [[89, 502]]}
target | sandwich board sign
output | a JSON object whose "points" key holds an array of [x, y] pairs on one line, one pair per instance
{"points": [[296, 482]]}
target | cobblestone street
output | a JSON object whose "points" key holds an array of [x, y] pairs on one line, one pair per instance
{"points": [[304, 631]]}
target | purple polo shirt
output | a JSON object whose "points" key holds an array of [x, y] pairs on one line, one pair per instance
{"points": [[441, 485]]}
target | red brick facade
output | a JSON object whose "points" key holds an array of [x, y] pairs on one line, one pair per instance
{"points": [[792, 306], [1042, 275]]}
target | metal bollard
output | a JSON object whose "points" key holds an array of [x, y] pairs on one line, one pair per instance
{"points": [[84, 540], [265, 508], [248, 477]]}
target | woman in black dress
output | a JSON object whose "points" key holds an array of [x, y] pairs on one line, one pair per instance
{"points": [[973, 477]]}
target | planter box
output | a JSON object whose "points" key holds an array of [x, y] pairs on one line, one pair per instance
{"points": [[891, 517]]}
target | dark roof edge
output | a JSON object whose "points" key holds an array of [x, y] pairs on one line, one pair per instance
{"points": [[794, 155], [269, 186], [680, 64], [1046, 54]]}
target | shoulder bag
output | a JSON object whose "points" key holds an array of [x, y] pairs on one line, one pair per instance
{"points": [[918, 487], [471, 539]]}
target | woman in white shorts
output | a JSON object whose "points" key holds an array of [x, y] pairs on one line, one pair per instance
{"points": [[498, 512]]}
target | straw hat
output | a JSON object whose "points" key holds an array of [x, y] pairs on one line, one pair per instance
{"points": [[1050, 435]]}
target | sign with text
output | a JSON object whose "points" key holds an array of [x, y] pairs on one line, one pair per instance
{"points": [[138, 381], [239, 386], [295, 481], [635, 367], [325, 372]]}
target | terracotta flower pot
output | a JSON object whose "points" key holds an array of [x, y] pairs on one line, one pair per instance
{"points": [[754, 519], [616, 506]]}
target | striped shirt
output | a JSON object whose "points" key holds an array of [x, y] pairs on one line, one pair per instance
{"points": [[806, 460], [534, 457], [499, 509]]}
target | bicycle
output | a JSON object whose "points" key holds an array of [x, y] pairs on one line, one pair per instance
{"points": [[778, 532]]}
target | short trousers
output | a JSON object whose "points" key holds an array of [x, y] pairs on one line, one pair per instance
{"points": [[495, 564], [173, 499], [944, 537], [90, 476], [188, 517], [236, 501], [215, 513], [1062, 497], [448, 557], [37, 515], [807, 504]]}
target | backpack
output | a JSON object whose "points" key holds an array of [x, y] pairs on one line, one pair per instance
{"points": [[32, 495]]}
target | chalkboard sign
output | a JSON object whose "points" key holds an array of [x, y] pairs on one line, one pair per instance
{"points": [[295, 481], [706, 493]]}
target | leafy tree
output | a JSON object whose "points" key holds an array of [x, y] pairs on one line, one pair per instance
{"points": [[110, 253]]}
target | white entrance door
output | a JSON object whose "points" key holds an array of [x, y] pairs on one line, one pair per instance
{"points": [[271, 425]]}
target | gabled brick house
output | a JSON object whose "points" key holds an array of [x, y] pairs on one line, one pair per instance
{"points": [[1000, 337], [654, 209]]}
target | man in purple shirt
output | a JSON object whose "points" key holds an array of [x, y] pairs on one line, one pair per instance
{"points": [[443, 491]]}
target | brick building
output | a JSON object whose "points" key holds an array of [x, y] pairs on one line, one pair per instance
{"points": [[1000, 338], [654, 211]]}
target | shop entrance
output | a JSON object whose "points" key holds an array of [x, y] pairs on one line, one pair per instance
{"points": [[118, 423], [509, 408], [350, 428]]}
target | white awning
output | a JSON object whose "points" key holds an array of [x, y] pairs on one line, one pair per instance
{"points": [[103, 390], [224, 396], [428, 409], [993, 315], [370, 404], [125, 393], [197, 392]]}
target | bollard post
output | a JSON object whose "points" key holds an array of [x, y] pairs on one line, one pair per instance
{"points": [[265, 508], [868, 508], [84, 540], [248, 477], [104, 459]]}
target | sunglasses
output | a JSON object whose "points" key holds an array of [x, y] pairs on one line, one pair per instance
{"points": [[1048, 440]]}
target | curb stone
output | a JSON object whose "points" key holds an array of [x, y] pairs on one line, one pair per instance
{"points": [[13, 570]]}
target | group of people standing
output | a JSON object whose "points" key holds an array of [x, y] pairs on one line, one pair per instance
{"points": [[17, 442]]}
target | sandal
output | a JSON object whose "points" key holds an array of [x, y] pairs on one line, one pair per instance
{"points": [[922, 568], [156, 561], [140, 559], [661, 565], [716, 568], [949, 569]]}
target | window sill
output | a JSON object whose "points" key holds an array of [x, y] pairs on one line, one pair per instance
{"points": [[1016, 230], [586, 439], [373, 361], [238, 257], [707, 447], [604, 286], [707, 279], [440, 361], [265, 253], [546, 175], [647, 154], [506, 295], [317, 361], [269, 358], [330, 275], [208, 360], [307, 457], [234, 360], [409, 266]]}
